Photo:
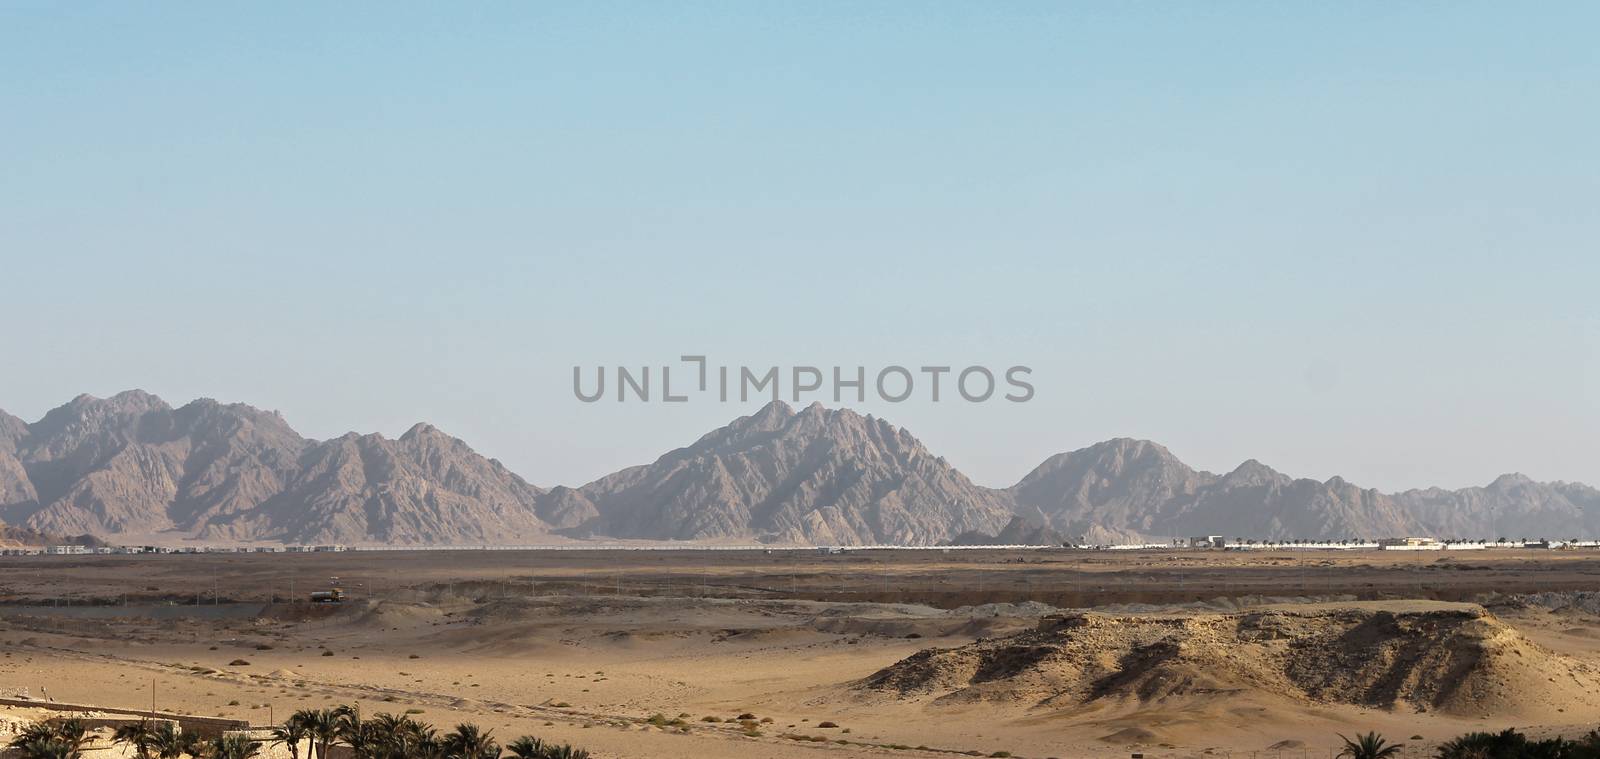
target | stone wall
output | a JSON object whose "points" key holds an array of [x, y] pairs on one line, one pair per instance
{"points": [[206, 727]]}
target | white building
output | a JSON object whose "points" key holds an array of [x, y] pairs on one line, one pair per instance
{"points": [[1410, 544]]}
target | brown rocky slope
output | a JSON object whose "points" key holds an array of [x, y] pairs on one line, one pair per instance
{"points": [[1452, 658], [818, 476], [132, 465]]}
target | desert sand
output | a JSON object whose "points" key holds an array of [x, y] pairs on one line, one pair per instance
{"points": [[659, 655]]}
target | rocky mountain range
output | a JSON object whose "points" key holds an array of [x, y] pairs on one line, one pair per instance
{"points": [[132, 468], [1129, 489]]}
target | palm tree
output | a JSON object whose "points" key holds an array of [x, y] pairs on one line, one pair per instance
{"points": [[346, 715], [74, 733], [392, 724], [37, 732], [46, 748], [322, 727], [62, 739], [304, 719], [397, 736], [469, 742], [429, 745], [564, 751], [233, 747], [1484, 745], [170, 742], [365, 739], [1510, 744], [527, 747], [291, 733], [385, 736], [1369, 746], [140, 735]]}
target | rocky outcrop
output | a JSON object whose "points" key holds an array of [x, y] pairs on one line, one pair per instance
{"points": [[1452, 658]]}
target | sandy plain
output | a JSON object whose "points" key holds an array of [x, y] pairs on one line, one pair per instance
{"points": [[657, 653]]}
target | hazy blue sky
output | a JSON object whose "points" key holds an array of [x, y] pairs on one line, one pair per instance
{"points": [[1342, 238]]}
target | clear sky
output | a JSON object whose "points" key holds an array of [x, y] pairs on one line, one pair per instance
{"points": [[1342, 238]]}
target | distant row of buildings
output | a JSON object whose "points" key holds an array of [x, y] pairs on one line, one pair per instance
{"points": [[1214, 542], [77, 550], [1386, 544]]}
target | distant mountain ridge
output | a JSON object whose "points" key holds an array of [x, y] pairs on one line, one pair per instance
{"points": [[1126, 489], [132, 467]]}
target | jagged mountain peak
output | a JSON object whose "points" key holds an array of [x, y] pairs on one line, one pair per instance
{"points": [[89, 413], [778, 421], [1117, 452], [820, 476], [1112, 490], [1127, 444], [212, 405], [129, 397], [1115, 458], [1252, 473], [424, 439], [126, 402], [772, 416], [421, 430], [774, 409], [1511, 480], [752, 429], [233, 419]]}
